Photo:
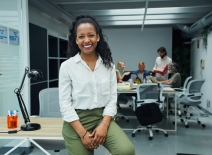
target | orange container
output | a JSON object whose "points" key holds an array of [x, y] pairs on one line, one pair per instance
{"points": [[12, 121]]}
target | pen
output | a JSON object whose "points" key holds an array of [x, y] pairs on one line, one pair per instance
{"points": [[14, 112], [11, 112]]}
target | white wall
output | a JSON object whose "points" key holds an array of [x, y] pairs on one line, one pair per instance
{"points": [[196, 55], [130, 46], [53, 26]]}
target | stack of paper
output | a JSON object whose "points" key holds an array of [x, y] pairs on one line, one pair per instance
{"points": [[123, 87]]}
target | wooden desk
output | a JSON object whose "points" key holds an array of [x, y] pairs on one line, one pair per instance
{"points": [[51, 129]]}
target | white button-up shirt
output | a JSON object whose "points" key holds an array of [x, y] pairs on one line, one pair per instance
{"points": [[82, 88], [160, 64]]}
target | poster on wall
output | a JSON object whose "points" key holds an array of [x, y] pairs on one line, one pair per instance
{"points": [[3, 34], [13, 36]]}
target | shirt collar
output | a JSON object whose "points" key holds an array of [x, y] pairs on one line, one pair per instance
{"points": [[77, 58]]}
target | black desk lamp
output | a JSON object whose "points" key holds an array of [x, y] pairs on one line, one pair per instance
{"points": [[36, 75]]}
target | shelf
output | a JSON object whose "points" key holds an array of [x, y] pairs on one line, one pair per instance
{"points": [[53, 84], [63, 47], [53, 46], [53, 69]]}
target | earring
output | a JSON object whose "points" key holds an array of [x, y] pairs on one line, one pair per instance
{"points": [[77, 42], [97, 40]]}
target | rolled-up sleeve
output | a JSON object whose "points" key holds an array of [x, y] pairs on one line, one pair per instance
{"points": [[65, 99], [110, 108]]}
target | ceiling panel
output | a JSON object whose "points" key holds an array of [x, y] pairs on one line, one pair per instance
{"points": [[70, 6], [127, 12]]}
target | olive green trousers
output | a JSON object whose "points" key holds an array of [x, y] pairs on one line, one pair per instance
{"points": [[117, 142]]}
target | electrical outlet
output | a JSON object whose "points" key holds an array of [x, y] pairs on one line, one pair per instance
{"points": [[208, 103]]}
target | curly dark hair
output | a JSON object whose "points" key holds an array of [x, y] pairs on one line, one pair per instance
{"points": [[102, 48]]}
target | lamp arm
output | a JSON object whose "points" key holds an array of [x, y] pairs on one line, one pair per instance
{"points": [[23, 108], [17, 91], [23, 79]]}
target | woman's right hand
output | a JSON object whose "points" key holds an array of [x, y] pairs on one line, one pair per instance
{"points": [[87, 141]]}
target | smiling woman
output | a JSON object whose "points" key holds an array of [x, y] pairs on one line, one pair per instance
{"points": [[88, 93]]}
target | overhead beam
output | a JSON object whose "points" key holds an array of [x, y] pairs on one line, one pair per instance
{"points": [[149, 17], [153, 11], [131, 5], [51, 9], [147, 22], [100, 1]]}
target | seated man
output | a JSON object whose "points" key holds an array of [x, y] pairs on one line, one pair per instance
{"points": [[141, 73], [175, 80]]}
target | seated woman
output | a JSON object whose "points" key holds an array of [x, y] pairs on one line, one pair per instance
{"points": [[120, 70], [119, 80], [175, 80]]}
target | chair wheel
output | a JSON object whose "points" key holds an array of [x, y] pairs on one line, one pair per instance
{"points": [[203, 125], [157, 130], [166, 135], [186, 126], [191, 114], [133, 135], [150, 138], [181, 120], [198, 122], [139, 130], [127, 120]]}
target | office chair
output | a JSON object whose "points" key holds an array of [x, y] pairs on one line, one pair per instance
{"points": [[185, 84], [149, 93], [121, 100], [191, 97], [49, 107], [183, 89]]}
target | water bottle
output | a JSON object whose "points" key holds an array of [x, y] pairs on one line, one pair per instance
{"points": [[131, 83], [144, 80]]}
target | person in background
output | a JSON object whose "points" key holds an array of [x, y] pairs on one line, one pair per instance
{"points": [[161, 62], [141, 73], [120, 70], [175, 80], [119, 80], [88, 93]]}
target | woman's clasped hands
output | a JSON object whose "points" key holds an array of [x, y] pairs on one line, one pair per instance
{"points": [[97, 137]]}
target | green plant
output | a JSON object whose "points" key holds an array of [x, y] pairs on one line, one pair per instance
{"points": [[205, 33], [181, 55]]}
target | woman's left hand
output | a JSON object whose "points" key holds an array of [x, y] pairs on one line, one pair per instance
{"points": [[99, 135]]}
